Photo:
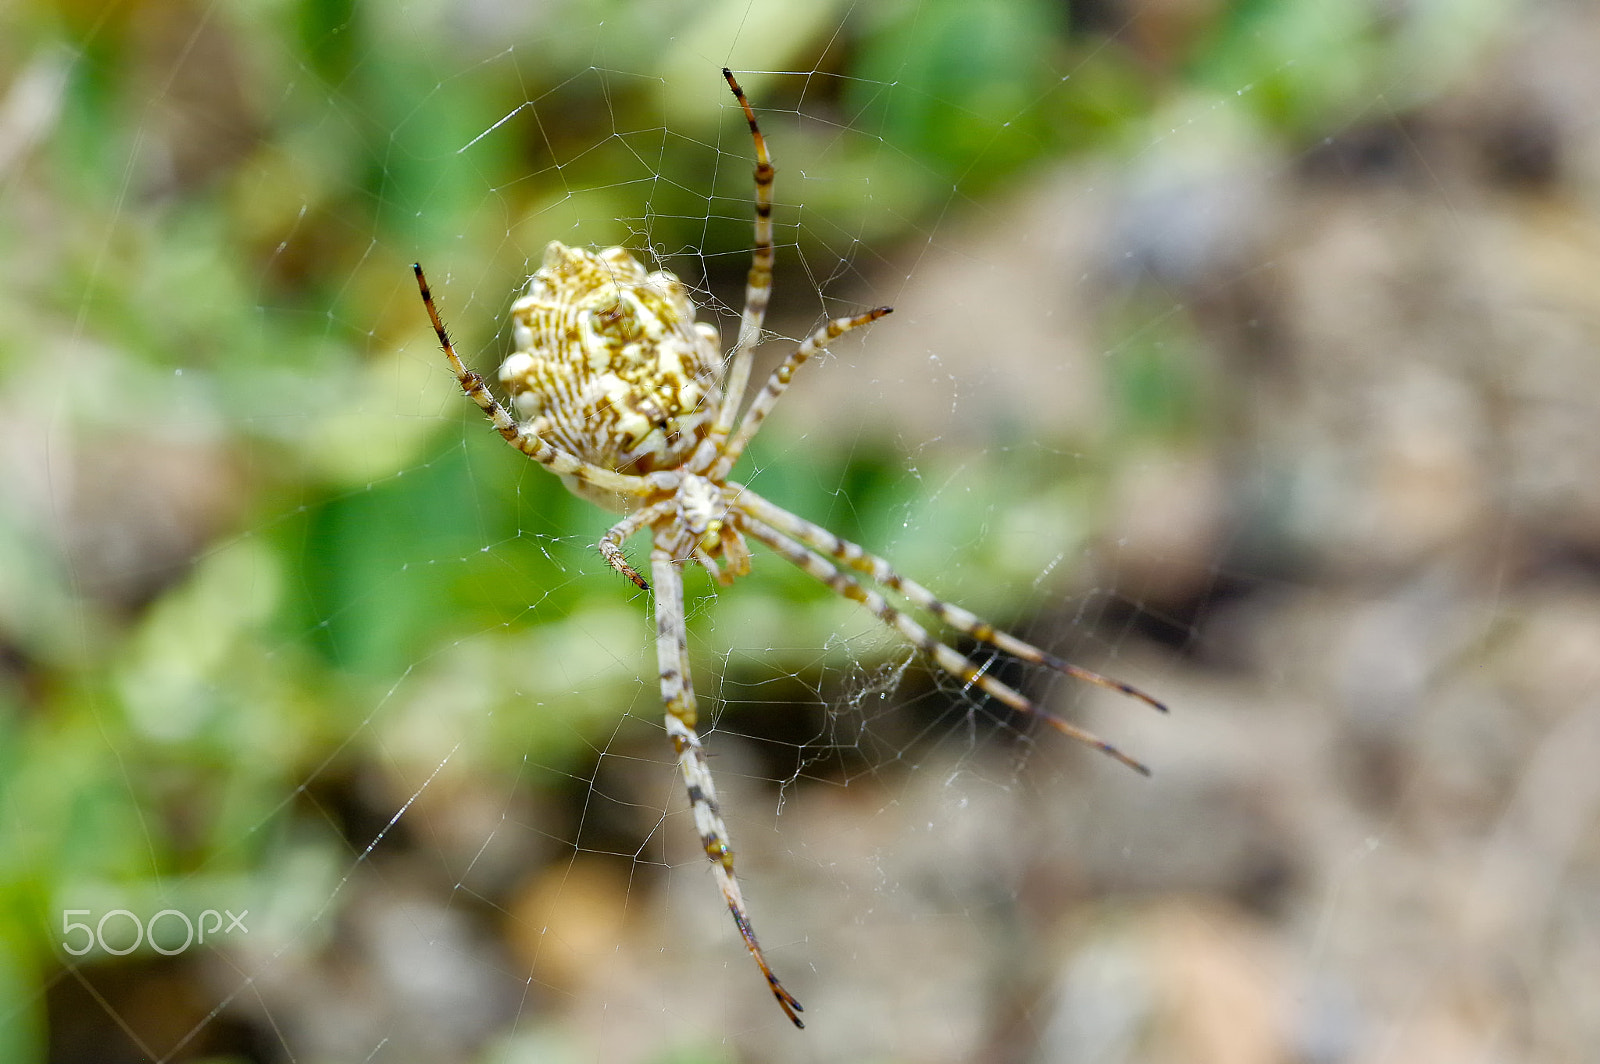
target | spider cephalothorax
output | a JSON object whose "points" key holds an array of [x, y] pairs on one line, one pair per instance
{"points": [[702, 525], [624, 395]]}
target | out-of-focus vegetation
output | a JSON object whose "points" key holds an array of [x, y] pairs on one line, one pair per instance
{"points": [[262, 570]]}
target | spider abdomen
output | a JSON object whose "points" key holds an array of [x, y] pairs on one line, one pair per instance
{"points": [[610, 363]]}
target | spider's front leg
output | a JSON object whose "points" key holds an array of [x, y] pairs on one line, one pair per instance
{"points": [[944, 656], [677, 691]]}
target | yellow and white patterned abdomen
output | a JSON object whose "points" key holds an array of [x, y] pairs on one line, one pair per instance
{"points": [[610, 363]]}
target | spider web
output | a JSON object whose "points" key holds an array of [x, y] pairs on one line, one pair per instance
{"points": [[1241, 351]]}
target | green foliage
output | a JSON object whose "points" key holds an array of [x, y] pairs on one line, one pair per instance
{"points": [[971, 77]]}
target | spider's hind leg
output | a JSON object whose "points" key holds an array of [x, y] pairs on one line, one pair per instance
{"points": [[758, 283], [562, 463], [778, 382]]}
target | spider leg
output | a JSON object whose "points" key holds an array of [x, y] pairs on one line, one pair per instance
{"points": [[778, 383], [758, 284], [610, 544], [943, 656], [718, 573], [858, 558], [554, 458], [677, 691]]}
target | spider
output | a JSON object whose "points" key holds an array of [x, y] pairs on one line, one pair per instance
{"points": [[625, 396]]}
